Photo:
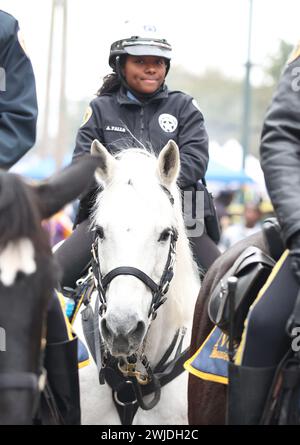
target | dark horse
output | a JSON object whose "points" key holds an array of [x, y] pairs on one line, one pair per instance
{"points": [[27, 279], [207, 400]]}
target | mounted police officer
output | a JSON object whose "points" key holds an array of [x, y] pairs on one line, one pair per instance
{"points": [[134, 108], [268, 335], [18, 102]]}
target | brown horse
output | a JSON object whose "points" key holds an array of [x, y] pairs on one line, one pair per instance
{"points": [[207, 400], [27, 279]]}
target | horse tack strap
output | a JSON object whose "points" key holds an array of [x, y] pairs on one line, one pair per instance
{"points": [[158, 290], [21, 380], [133, 271], [128, 394]]}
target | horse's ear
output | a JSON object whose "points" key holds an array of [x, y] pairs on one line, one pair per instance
{"points": [[66, 185], [105, 171], [169, 163]]}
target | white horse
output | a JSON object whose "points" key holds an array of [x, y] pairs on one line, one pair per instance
{"points": [[135, 217]]}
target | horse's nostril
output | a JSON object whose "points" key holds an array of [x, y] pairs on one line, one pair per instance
{"points": [[138, 332]]}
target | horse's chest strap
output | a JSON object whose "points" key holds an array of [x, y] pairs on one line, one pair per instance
{"points": [[128, 394]]}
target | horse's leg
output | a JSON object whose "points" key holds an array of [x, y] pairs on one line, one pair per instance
{"points": [[97, 407]]}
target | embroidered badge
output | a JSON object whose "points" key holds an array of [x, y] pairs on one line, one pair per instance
{"points": [[168, 122], [210, 362], [87, 115]]}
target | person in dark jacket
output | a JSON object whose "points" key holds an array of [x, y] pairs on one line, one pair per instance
{"points": [[267, 336], [18, 102], [134, 108]]}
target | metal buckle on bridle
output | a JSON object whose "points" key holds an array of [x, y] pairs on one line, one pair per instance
{"points": [[128, 370]]}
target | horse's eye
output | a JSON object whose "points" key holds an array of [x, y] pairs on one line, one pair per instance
{"points": [[100, 232], [164, 235]]}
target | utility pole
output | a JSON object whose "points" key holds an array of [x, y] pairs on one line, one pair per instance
{"points": [[247, 92], [59, 148], [45, 132], [61, 139]]}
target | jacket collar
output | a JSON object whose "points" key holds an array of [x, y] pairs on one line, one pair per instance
{"points": [[123, 99]]}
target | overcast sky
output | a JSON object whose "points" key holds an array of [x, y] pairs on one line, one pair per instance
{"points": [[204, 33]]}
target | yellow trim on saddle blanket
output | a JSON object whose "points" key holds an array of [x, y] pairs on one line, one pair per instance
{"points": [[89, 290], [277, 267], [63, 308], [210, 362], [71, 334]]}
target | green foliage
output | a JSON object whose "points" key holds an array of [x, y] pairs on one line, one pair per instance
{"points": [[221, 101], [221, 98], [276, 61]]}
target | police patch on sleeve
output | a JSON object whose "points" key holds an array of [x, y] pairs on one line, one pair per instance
{"points": [[167, 122], [22, 43], [87, 115], [294, 54], [195, 103]]}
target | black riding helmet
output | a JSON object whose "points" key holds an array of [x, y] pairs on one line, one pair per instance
{"points": [[143, 41]]}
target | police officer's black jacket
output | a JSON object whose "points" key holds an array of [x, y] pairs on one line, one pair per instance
{"points": [[18, 103], [118, 121], [280, 150]]}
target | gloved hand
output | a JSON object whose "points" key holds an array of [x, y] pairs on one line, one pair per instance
{"points": [[295, 255]]}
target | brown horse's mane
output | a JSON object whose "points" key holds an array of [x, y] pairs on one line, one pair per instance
{"points": [[21, 217]]}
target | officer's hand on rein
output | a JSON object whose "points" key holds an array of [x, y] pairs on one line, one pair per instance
{"points": [[295, 255]]}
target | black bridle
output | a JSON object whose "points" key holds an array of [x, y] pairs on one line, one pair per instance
{"points": [[126, 374], [158, 290]]}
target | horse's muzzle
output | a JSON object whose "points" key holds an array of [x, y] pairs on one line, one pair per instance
{"points": [[122, 338]]}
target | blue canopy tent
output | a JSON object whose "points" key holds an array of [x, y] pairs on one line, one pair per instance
{"points": [[38, 168], [219, 173]]}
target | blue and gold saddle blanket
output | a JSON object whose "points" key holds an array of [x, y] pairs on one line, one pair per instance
{"points": [[210, 362]]}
